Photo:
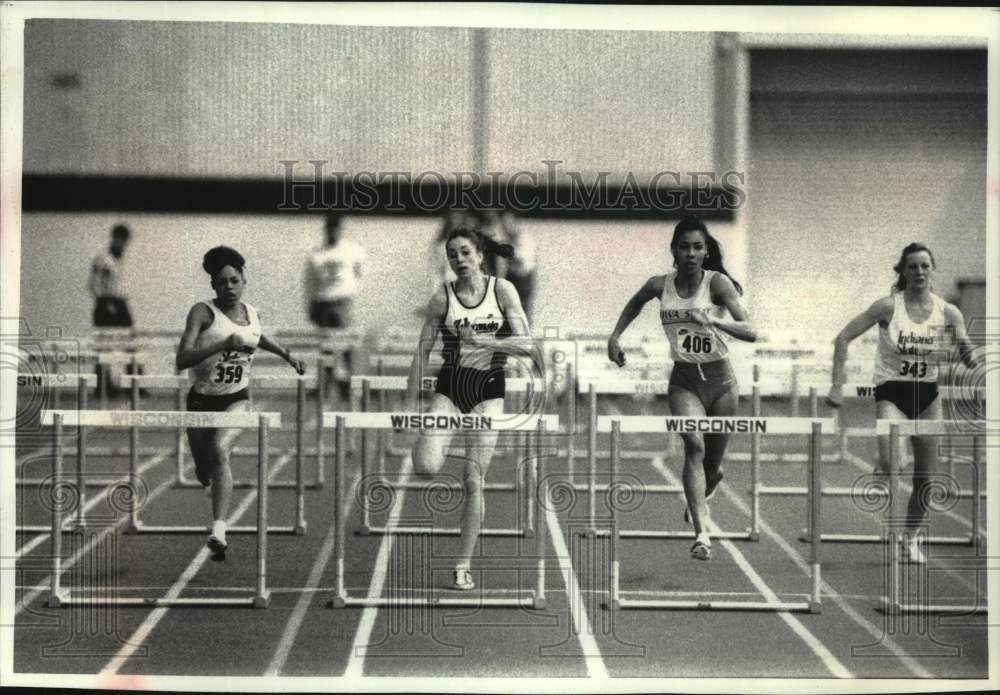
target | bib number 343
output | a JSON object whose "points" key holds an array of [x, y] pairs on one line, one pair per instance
{"points": [[915, 370]]}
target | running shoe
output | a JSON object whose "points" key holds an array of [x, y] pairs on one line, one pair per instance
{"points": [[701, 551], [463, 581], [218, 548], [911, 552]]}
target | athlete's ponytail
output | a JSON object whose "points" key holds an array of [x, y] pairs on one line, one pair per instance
{"points": [[483, 243], [900, 266], [713, 259]]}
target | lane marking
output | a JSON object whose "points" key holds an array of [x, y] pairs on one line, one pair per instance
{"points": [[294, 624], [878, 633], [359, 647], [818, 648], [66, 565], [141, 633], [581, 621], [93, 501]]}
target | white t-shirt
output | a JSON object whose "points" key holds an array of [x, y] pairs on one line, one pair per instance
{"points": [[334, 272]]}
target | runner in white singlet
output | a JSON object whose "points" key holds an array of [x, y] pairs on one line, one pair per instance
{"points": [[220, 338], [480, 319], [918, 331]]}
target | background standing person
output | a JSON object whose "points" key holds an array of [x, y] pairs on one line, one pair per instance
{"points": [[111, 308], [521, 269], [332, 280]]}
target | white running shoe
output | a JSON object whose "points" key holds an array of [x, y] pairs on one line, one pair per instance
{"points": [[912, 554], [463, 580]]}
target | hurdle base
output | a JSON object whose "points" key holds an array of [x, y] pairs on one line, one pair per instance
{"points": [[250, 485], [677, 605], [57, 600], [886, 607], [538, 603], [805, 537], [479, 601], [653, 488], [433, 531], [198, 530], [152, 602], [300, 529], [455, 487], [747, 535], [815, 607], [262, 600]]}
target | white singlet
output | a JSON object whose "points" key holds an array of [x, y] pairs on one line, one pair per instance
{"points": [[906, 349], [690, 341], [227, 371], [473, 330]]}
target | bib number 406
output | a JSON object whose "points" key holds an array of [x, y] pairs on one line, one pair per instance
{"points": [[228, 374], [916, 370], [697, 344]]}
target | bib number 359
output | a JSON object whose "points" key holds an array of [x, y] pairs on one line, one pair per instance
{"points": [[228, 374], [916, 370]]}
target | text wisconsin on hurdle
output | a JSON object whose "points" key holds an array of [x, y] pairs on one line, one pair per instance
{"points": [[141, 419], [728, 425], [442, 422]]}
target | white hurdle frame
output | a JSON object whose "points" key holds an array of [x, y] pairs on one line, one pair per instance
{"points": [[59, 597], [535, 599], [260, 382], [815, 428], [58, 383], [368, 529], [946, 428], [892, 603], [297, 529]]}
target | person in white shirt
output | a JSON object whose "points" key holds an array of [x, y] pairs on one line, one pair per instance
{"points": [[111, 308], [332, 281], [918, 330], [220, 338]]}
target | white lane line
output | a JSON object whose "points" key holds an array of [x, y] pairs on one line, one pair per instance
{"points": [[294, 623], [93, 502], [939, 564], [877, 632], [136, 640], [356, 662], [66, 565], [581, 621], [818, 648]]}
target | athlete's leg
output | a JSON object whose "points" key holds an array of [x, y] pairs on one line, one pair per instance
{"points": [[886, 410], [430, 449], [715, 444], [222, 475], [685, 403], [925, 465], [479, 456], [202, 452]]}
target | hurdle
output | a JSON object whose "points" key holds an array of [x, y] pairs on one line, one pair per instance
{"points": [[642, 424], [263, 382], [535, 599], [362, 386], [946, 428], [58, 383], [406, 421], [59, 597], [892, 603]]}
